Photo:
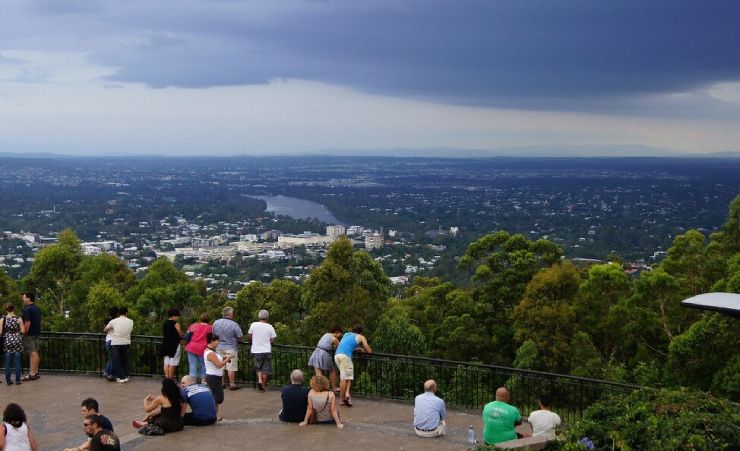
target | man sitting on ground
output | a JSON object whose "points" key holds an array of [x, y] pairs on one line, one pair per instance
{"points": [[201, 401], [295, 399], [89, 406], [429, 412], [500, 419], [544, 421], [100, 439]]}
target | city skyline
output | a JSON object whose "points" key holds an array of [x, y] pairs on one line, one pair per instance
{"points": [[418, 78]]}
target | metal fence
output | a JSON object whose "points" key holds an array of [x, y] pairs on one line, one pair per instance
{"points": [[460, 384]]}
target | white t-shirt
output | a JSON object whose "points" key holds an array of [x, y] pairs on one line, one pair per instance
{"points": [[261, 334], [211, 368], [122, 328], [544, 423]]}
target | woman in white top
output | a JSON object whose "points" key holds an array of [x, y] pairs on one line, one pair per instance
{"points": [[322, 404], [215, 368], [16, 434]]}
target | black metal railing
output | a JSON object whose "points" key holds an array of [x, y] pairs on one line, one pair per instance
{"points": [[460, 384]]}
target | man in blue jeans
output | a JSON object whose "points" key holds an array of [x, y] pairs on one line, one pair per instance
{"points": [[121, 343]]}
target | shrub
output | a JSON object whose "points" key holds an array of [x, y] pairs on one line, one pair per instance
{"points": [[657, 419]]}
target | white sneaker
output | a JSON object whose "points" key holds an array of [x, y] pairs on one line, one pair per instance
{"points": [[122, 381]]}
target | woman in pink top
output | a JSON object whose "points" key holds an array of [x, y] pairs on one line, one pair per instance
{"points": [[197, 345]]}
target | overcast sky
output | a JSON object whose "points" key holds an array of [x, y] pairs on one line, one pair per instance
{"points": [[225, 77]]}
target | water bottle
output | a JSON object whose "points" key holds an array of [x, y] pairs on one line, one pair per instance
{"points": [[471, 434]]}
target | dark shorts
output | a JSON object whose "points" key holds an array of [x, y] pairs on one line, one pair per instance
{"points": [[215, 383], [263, 363], [30, 343]]}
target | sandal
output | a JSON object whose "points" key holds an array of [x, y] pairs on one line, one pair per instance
{"points": [[347, 402], [30, 377]]}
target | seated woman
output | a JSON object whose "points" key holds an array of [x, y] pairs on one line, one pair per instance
{"points": [[164, 410], [322, 404]]}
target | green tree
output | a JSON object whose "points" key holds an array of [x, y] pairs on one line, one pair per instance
{"points": [[8, 290], [348, 287], [55, 269], [92, 270], [585, 359], [396, 334], [100, 298], [502, 265], [282, 299], [604, 287], [546, 314], [696, 357], [686, 262], [658, 294]]}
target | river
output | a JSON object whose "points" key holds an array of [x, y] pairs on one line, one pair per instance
{"points": [[298, 208]]}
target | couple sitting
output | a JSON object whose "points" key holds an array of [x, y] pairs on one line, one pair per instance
{"points": [[317, 405], [167, 411]]}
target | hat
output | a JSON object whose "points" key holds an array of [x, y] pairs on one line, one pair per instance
{"points": [[263, 314]]}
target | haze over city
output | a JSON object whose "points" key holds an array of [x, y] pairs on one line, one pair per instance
{"points": [[416, 78]]}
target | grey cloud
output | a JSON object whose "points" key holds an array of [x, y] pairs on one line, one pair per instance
{"points": [[531, 54]]}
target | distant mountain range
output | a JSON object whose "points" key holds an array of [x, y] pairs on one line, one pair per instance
{"points": [[517, 152]]}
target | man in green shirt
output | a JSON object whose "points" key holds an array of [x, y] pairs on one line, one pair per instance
{"points": [[500, 418]]}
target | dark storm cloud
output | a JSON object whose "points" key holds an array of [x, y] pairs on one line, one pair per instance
{"points": [[545, 54]]}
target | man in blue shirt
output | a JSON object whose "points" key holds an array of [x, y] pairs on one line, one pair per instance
{"points": [[295, 399], [89, 406], [351, 342], [429, 412], [201, 402], [231, 337], [32, 322]]}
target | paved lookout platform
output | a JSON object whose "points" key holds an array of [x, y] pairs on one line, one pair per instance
{"points": [[52, 404]]}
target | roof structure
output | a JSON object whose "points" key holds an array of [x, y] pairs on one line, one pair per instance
{"points": [[727, 303]]}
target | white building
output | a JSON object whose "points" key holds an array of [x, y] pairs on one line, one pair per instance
{"points": [[374, 241], [251, 237], [335, 231], [354, 230]]}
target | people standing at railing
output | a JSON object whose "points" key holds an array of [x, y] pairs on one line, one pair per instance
{"points": [[32, 324], [322, 404], [196, 338], [231, 337], [351, 342], [430, 412], [108, 371], [171, 336], [215, 364], [500, 419], [321, 359], [544, 421], [16, 434], [11, 331], [262, 335], [121, 343], [295, 399]]}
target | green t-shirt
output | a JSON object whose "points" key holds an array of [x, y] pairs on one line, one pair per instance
{"points": [[499, 419]]}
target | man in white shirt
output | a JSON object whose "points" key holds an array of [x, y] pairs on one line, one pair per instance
{"points": [[262, 335], [543, 421], [121, 343]]}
